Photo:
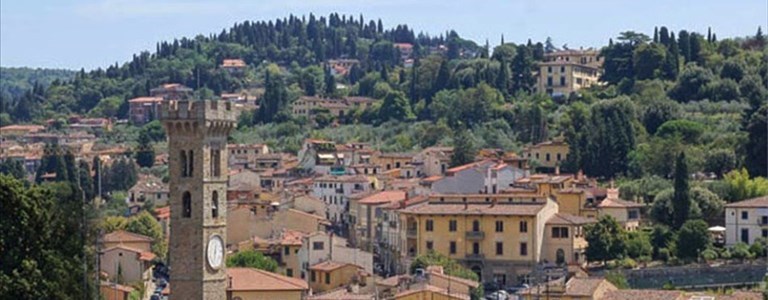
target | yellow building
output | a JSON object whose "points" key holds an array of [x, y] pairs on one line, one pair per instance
{"points": [[429, 292], [329, 275], [390, 161], [626, 212], [564, 241], [499, 237], [290, 244], [564, 72], [255, 284], [548, 155]]}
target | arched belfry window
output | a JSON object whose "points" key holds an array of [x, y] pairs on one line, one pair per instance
{"points": [[215, 204], [183, 163], [186, 205]]}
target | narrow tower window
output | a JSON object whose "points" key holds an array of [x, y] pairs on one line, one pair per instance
{"points": [[183, 163], [186, 205], [191, 167], [215, 205]]}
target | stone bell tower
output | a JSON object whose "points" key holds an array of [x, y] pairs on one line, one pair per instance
{"points": [[197, 133]]}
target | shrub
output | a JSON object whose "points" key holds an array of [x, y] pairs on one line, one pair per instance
{"points": [[628, 263], [709, 254]]}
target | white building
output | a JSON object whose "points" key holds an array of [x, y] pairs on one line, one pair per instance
{"points": [[335, 192], [746, 220]]}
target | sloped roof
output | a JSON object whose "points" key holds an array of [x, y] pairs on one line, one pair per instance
{"points": [[250, 279], [643, 295], [122, 236], [568, 219], [383, 197], [750, 203]]}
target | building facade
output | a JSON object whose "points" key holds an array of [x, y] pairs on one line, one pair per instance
{"points": [[564, 72], [746, 220]]}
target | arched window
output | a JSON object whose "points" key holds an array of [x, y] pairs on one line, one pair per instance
{"points": [[186, 205], [183, 163], [215, 204], [475, 225], [560, 257], [191, 165]]}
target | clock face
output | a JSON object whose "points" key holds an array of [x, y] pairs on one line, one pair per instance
{"points": [[215, 251]]}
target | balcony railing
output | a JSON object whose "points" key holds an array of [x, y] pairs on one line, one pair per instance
{"points": [[411, 233], [475, 235]]}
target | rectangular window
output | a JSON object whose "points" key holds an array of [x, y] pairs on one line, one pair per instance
{"points": [[452, 225], [547, 157], [327, 278], [558, 157], [452, 247], [499, 248], [313, 276], [744, 215], [286, 251], [745, 235], [560, 232], [765, 232], [549, 81], [562, 80], [523, 226], [429, 245], [764, 220], [499, 226], [318, 245], [549, 69], [523, 249], [429, 225], [475, 248], [633, 214], [562, 69], [289, 272]]}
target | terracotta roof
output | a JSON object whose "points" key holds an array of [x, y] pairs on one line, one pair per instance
{"points": [[343, 178], [341, 293], [618, 203], [583, 286], [115, 286], [233, 63], [750, 203], [736, 295], [642, 295], [454, 279], [250, 279], [163, 212], [125, 236], [142, 255], [392, 281], [432, 178], [432, 289], [330, 265], [383, 198], [292, 237], [474, 209], [568, 219], [465, 167]]}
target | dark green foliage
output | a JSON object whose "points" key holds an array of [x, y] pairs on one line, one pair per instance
{"points": [[661, 237], [648, 60], [522, 71], [657, 112], [252, 259], [395, 106], [13, 168], [606, 239], [43, 248], [692, 84], [689, 131], [145, 154], [464, 149], [638, 244], [681, 201], [120, 176], [692, 239], [611, 137], [720, 161], [275, 99], [756, 146]]}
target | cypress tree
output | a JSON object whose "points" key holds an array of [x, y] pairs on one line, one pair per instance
{"points": [[681, 202], [684, 43], [145, 155], [664, 36], [655, 34]]}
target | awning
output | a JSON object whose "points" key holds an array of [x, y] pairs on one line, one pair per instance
{"points": [[717, 229]]}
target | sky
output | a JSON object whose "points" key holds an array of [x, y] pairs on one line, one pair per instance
{"points": [[97, 33]]}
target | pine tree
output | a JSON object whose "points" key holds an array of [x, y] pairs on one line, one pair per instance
{"points": [[145, 154], [681, 203], [464, 150]]}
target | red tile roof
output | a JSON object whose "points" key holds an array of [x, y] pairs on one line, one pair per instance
{"points": [[233, 63], [146, 100], [642, 295], [125, 236], [750, 203], [384, 197], [250, 279], [568, 219], [330, 265]]}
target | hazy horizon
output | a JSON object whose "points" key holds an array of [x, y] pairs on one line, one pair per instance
{"points": [[97, 33]]}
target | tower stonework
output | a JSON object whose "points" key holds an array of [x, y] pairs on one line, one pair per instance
{"points": [[197, 133]]}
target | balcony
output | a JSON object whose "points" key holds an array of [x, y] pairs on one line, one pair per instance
{"points": [[475, 235], [475, 256], [411, 233]]}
